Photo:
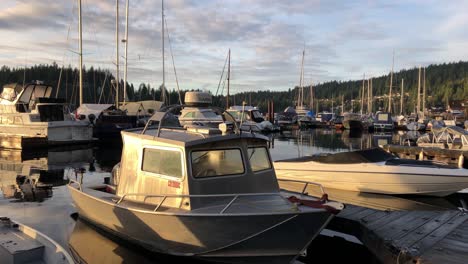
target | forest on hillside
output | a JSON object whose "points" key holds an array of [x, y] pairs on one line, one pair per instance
{"points": [[446, 84]]}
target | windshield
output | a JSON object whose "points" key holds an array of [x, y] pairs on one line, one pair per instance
{"points": [[259, 159], [217, 163]]}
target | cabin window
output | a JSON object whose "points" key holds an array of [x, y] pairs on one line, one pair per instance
{"points": [[382, 117], [189, 115], [162, 161], [209, 163], [259, 159]]}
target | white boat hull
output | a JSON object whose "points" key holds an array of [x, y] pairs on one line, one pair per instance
{"points": [[377, 177], [45, 133]]}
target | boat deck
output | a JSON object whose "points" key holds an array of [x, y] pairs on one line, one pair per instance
{"points": [[407, 236]]}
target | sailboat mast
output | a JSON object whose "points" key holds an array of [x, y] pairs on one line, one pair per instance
{"points": [[368, 96], [391, 83], [163, 90], [301, 80], [362, 91], [126, 52], [117, 54], [402, 95], [228, 78], [80, 52], [418, 104], [424, 93], [311, 103], [342, 104]]}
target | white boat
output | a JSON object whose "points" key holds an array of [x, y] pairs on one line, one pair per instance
{"points": [[375, 171], [29, 118], [22, 244], [249, 118], [451, 137], [197, 111], [205, 193]]}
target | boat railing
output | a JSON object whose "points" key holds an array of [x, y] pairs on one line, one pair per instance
{"points": [[76, 182], [306, 184], [166, 196]]}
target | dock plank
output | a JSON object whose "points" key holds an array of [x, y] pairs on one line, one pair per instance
{"points": [[383, 221], [428, 229], [361, 214], [349, 210], [440, 233], [406, 224], [374, 217]]}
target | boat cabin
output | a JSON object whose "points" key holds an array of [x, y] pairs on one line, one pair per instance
{"points": [[383, 120], [246, 113], [193, 161], [32, 98]]}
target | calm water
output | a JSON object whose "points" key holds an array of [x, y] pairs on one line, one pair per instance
{"points": [[33, 191]]}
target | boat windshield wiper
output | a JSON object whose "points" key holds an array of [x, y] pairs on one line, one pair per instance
{"points": [[251, 154], [201, 156]]}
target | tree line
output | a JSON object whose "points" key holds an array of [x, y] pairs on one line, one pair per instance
{"points": [[446, 84]]}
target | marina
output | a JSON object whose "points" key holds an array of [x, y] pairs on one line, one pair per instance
{"points": [[129, 141]]}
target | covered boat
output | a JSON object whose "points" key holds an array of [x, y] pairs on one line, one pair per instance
{"points": [[106, 119], [30, 118], [375, 171], [205, 193]]}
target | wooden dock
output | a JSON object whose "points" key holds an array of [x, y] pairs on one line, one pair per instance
{"points": [[407, 236], [399, 230]]}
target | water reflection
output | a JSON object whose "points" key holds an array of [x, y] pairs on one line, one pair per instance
{"points": [[41, 176], [89, 244]]}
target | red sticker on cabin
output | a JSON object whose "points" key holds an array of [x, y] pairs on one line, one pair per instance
{"points": [[173, 184]]}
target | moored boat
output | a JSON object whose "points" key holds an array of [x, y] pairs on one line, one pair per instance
{"points": [[205, 193], [22, 244], [375, 171], [30, 118]]}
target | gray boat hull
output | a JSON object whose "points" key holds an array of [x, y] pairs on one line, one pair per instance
{"points": [[234, 238]]}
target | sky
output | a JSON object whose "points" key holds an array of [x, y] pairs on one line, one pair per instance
{"points": [[343, 40]]}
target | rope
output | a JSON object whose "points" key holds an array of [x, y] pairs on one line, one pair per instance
{"points": [[220, 78], [173, 63]]}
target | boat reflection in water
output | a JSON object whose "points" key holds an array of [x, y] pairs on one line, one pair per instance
{"points": [[89, 244], [30, 176]]}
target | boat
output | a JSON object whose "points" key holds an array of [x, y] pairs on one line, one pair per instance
{"points": [[107, 120], [337, 121], [383, 121], [197, 111], [30, 118], [355, 121], [22, 244], [375, 171], [141, 111], [287, 120], [249, 118], [206, 193], [452, 137]]}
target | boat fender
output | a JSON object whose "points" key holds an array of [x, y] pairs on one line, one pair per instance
{"points": [[315, 204]]}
